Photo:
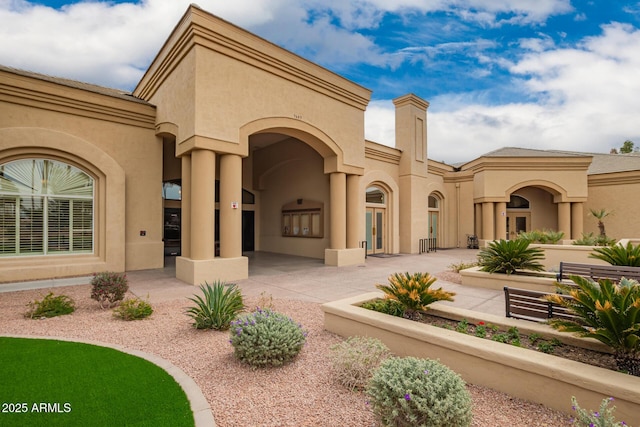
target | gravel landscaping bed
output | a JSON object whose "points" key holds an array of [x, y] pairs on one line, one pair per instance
{"points": [[302, 393]]}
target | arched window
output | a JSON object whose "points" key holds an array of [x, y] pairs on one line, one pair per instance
{"points": [[517, 202], [375, 195], [434, 202], [46, 208]]}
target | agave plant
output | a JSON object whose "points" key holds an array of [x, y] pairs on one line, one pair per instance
{"points": [[219, 305], [607, 312], [628, 255], [507, 256], [414, 292]]}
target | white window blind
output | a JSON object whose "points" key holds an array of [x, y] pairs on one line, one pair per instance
{"points": [[46, 207]]}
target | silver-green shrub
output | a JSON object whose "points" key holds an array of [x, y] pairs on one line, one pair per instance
{"points": [[601, 418], [415, 392], [266, 338], [355, 359]]}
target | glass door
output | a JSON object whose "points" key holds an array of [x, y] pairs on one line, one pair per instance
{"points": [[517, 222], [375, 230]]}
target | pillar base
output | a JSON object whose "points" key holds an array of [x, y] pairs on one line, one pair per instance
{"points": [[196, 272], [343, 257]]}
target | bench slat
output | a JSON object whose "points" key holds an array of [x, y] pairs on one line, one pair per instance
{"points": [[596, 272], [530, 305]]}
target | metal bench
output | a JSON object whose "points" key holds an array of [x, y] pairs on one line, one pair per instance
{"points": [[597, 272], [531, 305]]}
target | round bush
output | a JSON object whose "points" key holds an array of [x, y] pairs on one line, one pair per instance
{"points": [[108, 288], [418, 392], [266, 338], [355, 359]]}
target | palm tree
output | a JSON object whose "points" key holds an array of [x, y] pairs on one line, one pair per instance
{"points": [[600, 214]]}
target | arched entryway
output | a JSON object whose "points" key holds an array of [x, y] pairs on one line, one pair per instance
{"points": [[376, 219], [518, 216], [434, 215]]}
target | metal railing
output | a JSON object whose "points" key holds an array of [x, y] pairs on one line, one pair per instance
{"points": [[428, 245]]}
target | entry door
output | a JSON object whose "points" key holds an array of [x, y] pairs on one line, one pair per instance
{"points": [[375, 230], [433, 225], [517, 222]]}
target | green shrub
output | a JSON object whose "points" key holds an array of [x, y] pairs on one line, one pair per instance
{"points": [[590, 240], [219, 305], [414, 292], [51, 306], [386, 306], [481, 330], [133, 309], [108, 288], [602, 418], [544, 236], [463, 326], [628, 255], [461, 266], [418, 392], [355, 359], [266, 338], [507, 256], [607, 312]]}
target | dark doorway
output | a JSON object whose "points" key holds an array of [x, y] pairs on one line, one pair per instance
{"points": [[172, 222], [248, 231]]}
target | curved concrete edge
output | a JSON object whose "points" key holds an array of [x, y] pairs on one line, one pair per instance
{"points": [[202, 414]]}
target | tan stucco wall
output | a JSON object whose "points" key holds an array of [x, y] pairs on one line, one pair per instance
{"points": [[108, 137], [226, 78], [617, 193]]}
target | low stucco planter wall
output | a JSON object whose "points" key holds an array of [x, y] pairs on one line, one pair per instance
{"points": [[533, 376], [481, 279], [554, 254]]}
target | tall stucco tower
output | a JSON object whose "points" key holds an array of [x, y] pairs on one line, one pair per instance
{"points": [[411, 138]]}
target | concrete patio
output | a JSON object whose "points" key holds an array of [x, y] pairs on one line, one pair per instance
{"points": [[308, 279]]}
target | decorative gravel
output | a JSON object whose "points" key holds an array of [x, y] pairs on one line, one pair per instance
{"points": [[302, 393]]}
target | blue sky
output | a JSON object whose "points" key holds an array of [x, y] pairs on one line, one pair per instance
{"points": [[546, 74]]}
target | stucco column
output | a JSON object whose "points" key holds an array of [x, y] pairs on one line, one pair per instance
{"points": [[203, 177], [477, 228], [338, 211], [488, 221], [564, 219], [230, 206], [185, 212], [577, 220], [501, 220], [354, 217]]}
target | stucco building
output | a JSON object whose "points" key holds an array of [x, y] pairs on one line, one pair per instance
{"points": [[231, 144]]}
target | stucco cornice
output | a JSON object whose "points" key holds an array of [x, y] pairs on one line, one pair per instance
{"points": [[632, 177], [382, 153], [46, 95], [530, 163], [199, 28]]}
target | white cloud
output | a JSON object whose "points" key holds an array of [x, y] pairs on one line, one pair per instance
{"points": [[588, 102], [380, 119]]}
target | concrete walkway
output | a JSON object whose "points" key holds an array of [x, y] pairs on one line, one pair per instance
{"points": [[307, 279], [291, 277]]}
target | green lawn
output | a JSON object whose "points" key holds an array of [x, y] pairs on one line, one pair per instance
{"points": [[58, 383]]}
